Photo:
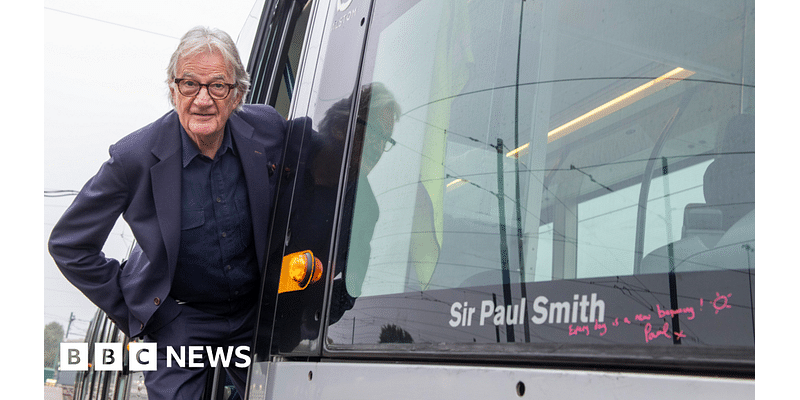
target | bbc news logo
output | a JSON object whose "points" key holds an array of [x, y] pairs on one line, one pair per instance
{"points": [[142, 356]]}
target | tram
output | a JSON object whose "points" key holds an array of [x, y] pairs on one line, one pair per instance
{"points": [[506, 199]]}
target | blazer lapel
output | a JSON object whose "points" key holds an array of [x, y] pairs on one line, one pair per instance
{"points": [[166, 185], [254, 163]]}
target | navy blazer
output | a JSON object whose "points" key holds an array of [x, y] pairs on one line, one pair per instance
{"points": [[142, 181]]}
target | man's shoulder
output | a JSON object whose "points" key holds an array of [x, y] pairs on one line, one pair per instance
{"points": [[263, 110], [142, 140], [261, 116]]}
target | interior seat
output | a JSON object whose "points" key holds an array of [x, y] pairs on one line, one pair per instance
{"points": [[722, 228]]}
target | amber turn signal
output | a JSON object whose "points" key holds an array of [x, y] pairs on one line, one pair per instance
{"points": [[298, 270]]}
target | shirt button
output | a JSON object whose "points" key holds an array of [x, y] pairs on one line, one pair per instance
{"points": [[157, 301], [228, 267], [224, 234], [219, 199]]}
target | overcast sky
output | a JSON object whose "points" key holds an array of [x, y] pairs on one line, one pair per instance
{"points": [[104, 77]]}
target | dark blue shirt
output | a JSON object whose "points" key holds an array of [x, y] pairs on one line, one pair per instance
{"points": [[216, 261]]}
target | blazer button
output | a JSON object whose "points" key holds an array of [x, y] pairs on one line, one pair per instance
{"points": [[157, 301]]}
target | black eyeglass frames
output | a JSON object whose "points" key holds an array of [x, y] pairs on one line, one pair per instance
{"points": [[217, 90]]}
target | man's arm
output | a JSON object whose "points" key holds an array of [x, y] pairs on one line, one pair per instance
{"points": [[77, 240]]}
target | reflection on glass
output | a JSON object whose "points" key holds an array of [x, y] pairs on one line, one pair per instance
{"points": [[552, 141], [601, 92]]}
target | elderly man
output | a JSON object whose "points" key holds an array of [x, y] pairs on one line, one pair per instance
{"points": [[196, 188]]}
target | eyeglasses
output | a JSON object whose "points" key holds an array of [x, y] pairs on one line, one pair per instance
{"points": [[376, 135], [217, 90]]}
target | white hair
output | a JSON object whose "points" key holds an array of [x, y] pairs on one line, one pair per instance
{"points": [[201, 39]]}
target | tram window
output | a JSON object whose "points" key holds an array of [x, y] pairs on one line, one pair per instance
{"points": [[560, 144], [274, 59], [289, 70], [467, 128]]}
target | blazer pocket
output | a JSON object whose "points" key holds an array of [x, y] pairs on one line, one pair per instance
{"points": [[192, 219]]}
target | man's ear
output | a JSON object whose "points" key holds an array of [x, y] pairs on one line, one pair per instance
{"points": [[239, 97]]}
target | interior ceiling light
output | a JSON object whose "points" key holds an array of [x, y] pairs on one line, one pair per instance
{"points": [[613, 106], [620, 102], [456, 184]]}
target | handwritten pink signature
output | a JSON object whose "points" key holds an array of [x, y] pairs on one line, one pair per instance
{"points": [[663, 332], [719, 303]]}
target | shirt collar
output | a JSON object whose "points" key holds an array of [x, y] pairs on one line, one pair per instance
{"points": [[190, 150]]}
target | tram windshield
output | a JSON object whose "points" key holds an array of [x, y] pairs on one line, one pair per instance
{"points": [[552, 173]]}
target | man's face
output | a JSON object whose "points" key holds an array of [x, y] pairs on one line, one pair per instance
{"points": [[201, 116], [377, 134]]}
